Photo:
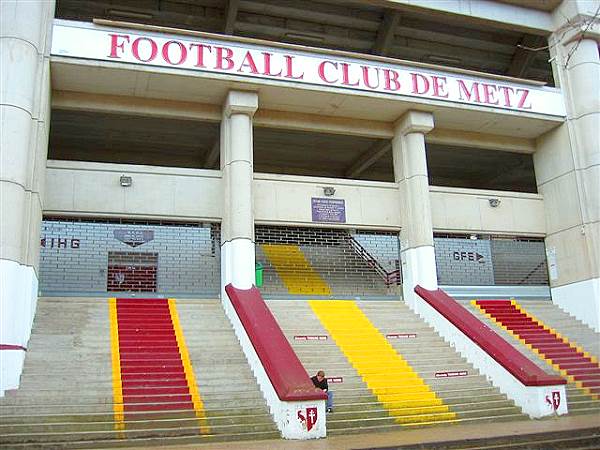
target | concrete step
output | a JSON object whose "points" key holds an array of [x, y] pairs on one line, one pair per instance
{"points": [[47, 410]]}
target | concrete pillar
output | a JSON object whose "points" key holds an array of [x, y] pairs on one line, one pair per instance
{"points": [[410, 172], [567, 165], [25, 29], [237, 231]]}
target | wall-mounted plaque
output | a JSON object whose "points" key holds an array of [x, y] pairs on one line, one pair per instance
{"points": [[133, 238], [332, 210]]}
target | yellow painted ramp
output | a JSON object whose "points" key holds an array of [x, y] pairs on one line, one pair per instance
{"points": [[295, 271], [397, 386]]}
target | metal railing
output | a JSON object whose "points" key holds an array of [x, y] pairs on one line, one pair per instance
{"points": [[393, 277]]}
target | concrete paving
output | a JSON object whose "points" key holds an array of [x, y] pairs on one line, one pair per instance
{"points": [[411, 436]]}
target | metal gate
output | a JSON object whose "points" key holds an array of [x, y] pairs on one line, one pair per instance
{"points": [[489, 260], [323, 262], [99, 257]]}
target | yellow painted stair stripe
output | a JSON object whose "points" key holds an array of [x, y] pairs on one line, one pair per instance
{"points": [[396, 385], [548, 361], [118, 409], [188, 369], [294, 270]]}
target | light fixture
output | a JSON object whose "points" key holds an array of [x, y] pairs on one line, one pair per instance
{"points": [[125, 181], [129, 14], [494, 202], [328, 191]]}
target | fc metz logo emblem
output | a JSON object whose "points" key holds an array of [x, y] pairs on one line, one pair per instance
{"points": [[308, 418], [554, 400]]}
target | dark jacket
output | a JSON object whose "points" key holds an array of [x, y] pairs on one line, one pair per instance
{"points": [[321, 385]]}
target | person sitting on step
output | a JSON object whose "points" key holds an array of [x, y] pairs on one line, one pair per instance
{"points": [[320, 382]]}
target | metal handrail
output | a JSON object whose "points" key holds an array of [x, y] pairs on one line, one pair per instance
{"points": [[390, 278]]}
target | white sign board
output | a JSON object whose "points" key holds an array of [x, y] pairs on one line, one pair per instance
{"points": [[198, 53]]}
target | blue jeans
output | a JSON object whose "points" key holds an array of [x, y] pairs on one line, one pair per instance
{"points": [[329, 399]]}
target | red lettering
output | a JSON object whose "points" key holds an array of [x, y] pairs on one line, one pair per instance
{"points": [[267, 62], [507, 91], [365, 74], [248, 61], [289, 69], [439, 86], [200, 53], [474, 92], [346, 75], [416, 77], [136, 45], [182, 53], [390, 76], [489, 92], [524, 93], [114, 44], [322, 71], [224, 58]]}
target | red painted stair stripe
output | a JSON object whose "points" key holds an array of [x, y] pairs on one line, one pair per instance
{"points": [[148, 342], [587, 378], [149, 356], [494, 302], [583, 364], [158, 398], [152, 376], [159, 407], [153, 370], [144, 349], [547, 343], [154, 383], [156, 391], [152, 373], [153, 365]]}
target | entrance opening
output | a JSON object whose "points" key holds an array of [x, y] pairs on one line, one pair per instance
{"points": [[488, 260], [96, 257], [321, 262]]}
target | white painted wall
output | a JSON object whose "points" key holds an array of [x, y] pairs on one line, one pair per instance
{"points": [[460, 209], [84, 188], [285, 414], [581, 300], [287, 199], [18, 300]]}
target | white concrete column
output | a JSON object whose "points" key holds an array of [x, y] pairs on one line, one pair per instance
{"points": [[410, 172], [25, 29], [567, 165], [237, 232]]}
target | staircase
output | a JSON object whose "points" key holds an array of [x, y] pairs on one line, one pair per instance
{"points": [[295, 270], [67, 395], [580, 439], [550, 349], [345, 272], [381, 361], [334, 270], [568, 326]]}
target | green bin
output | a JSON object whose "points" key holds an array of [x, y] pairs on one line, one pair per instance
{"points": [[259, 274]]}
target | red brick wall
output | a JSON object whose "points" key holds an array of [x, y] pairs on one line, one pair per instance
{"points": [[131, 272]]}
